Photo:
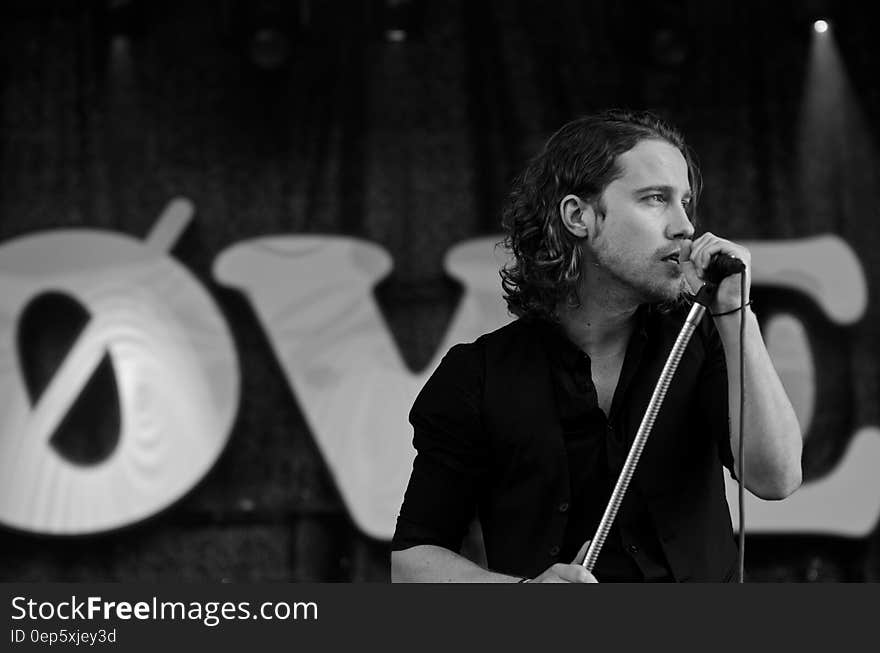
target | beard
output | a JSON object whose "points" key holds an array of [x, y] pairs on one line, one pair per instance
{"points": [[683, 300], [646, 280]]}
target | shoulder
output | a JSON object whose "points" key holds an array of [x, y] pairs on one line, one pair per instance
{"points": [[515, 334], [518, 336], [515, 330], [466, 365]]}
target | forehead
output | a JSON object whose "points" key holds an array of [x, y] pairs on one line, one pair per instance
{"points": [[653, 163]]}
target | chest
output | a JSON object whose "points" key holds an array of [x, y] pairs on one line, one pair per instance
{"points": [[606, 375]]}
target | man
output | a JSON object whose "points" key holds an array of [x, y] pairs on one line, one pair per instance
{"points": [[528, 427]]}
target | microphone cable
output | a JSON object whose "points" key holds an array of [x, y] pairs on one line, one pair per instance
{"points": [[721, 266], [742, 400]]}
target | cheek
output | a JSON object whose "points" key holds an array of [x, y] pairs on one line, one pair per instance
{"points": [[629, 224], [627, 239]]}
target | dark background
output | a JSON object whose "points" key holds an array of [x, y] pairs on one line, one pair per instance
{"points": [[305, 117]]}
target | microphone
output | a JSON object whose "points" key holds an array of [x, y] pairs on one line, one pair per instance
{"points": [[722, 266]]}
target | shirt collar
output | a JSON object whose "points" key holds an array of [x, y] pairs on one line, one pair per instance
{"points": [[564, 351]]}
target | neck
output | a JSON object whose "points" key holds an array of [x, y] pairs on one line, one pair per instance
{"points": [[598, 328], [604, 320]]}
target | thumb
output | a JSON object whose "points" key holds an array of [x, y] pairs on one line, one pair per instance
{"points": [[692, 275], [579, 558]]}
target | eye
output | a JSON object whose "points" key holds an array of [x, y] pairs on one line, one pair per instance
{"points": [[688, 206], [656, 197]]}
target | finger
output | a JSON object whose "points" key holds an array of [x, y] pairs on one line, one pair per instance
{"points": [[703, 249], [711, 246], [708, 251], [698, 244], [579, 558], [693, 275], [687, 247], [714, 246], [575, 574]]}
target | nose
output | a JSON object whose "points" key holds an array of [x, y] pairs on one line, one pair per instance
{"points": [[680, 225]]}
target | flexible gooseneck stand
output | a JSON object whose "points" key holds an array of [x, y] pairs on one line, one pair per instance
{"points": [[701, 302]]}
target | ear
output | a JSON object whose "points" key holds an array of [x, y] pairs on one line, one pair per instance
{"points": [[577, 215]]}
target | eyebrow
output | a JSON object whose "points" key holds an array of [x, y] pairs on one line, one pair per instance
{"points": [[669, 190]]}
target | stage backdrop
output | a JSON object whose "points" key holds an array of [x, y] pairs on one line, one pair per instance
{"points": [[235, 239]]}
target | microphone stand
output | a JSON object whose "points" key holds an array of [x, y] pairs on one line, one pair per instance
{"points": [[701, 302]]}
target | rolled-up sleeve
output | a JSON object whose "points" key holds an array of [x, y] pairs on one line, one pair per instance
{"points": [[451, 454]]}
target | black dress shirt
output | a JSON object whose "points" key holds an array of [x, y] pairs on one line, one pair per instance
{"points": [[513, 420], [595, 456]]}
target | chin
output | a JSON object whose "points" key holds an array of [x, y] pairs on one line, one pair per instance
{"points": [[671, 295]]}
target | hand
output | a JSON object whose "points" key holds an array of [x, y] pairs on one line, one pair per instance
{"points": [[695, 259], [571, 573]]}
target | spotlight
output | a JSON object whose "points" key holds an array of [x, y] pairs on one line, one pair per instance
{"points": [[820, 26], [395, 35], [400, 20]]}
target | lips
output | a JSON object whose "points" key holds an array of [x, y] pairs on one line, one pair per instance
{"points": [[672, 257]]}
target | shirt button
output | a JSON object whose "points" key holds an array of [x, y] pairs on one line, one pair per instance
{"points": [[554, 550], [563, 507], [633, 548]]}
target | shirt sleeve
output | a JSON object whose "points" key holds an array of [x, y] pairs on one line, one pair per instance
{"points": [[451, 454], [713, 397]]}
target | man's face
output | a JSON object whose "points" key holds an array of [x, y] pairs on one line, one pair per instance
{"points": [[634, 246]]}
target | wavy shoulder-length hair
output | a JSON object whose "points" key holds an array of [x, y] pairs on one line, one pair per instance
{"points": [[579, 159]]}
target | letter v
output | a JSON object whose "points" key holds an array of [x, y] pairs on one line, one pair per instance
{"points": [[313, 296]]}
